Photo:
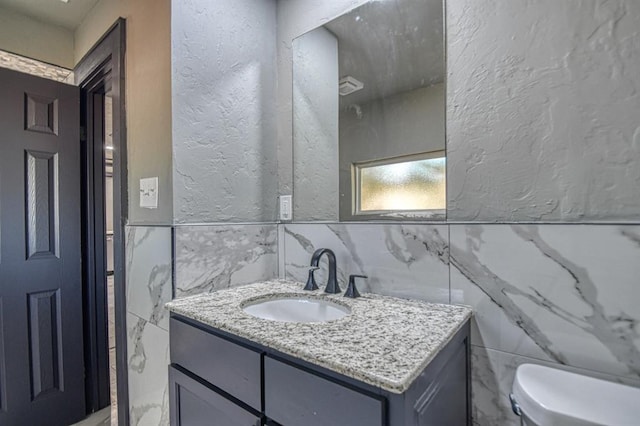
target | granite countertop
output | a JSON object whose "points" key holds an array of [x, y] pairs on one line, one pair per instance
{"points": [[385, 341]]}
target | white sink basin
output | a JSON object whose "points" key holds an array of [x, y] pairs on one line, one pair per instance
{"points": [[296, 309]]}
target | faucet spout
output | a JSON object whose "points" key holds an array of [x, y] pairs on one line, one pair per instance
{"points": [[332, 281]]}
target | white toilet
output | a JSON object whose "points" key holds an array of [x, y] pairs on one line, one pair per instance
{"points": [[545, 396]]}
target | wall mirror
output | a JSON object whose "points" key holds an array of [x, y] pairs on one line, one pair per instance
{"points": [[369, 115]]}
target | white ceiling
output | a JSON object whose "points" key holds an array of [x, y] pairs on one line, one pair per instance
{"points": [[55, 12]]}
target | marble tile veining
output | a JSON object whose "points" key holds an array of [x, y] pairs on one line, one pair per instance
{"points": [[213, 257], [149, 273], [562, 293], [148, 358], [385, 341], [405, 260]]}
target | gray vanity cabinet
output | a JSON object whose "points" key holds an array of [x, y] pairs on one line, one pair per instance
{"points": [[218, 379]]}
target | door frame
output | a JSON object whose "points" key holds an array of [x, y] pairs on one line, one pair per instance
{"points": [[101, 66]]}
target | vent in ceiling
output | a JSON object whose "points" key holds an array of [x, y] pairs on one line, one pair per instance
{"points": [[348, 85]]}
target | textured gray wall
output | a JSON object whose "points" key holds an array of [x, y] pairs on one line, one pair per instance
{"points": [[315, 126], [543, 110], [224, 129]]}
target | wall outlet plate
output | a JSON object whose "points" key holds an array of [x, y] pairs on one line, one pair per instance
{"points": [[149, 193], [285, 207]]}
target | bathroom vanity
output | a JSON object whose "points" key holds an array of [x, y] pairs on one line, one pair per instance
{"points": [[388, 362]]}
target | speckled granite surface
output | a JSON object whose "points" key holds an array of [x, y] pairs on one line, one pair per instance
{"points": [[385, 342]]}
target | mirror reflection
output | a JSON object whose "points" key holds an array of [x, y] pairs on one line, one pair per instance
{"points": [[369, 111]]}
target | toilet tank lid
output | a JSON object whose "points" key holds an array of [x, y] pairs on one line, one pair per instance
{"points": [[551, 396]]}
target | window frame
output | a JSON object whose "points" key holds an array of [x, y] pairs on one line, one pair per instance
{"points": [[356, 191]]}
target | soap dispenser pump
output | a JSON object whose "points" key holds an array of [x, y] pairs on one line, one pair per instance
{"points": [[352, 291]]}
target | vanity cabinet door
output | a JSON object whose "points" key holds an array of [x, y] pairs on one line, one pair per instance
{"points": [[233, 368], [444, 401], [295, 397], [194, 404]]}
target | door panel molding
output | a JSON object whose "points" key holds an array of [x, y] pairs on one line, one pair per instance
{"points": [[45, 343], [41, 201], [40, 114]]}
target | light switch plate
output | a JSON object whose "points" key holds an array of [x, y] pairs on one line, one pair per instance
{"points": [[285, 207], [149, 193]]}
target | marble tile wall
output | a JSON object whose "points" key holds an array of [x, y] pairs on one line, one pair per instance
{"points": [[149, 273], [212, 257], [148, 257], [561, 295], [148, 354], [205, 258], [400, 260]]}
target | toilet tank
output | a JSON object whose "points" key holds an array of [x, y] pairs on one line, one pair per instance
{"points": [[547, 396]]}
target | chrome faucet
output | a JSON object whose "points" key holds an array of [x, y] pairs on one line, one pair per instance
{"points": [[332, 281]]}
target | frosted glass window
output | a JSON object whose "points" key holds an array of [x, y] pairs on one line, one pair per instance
{"points": [[415, 184]]}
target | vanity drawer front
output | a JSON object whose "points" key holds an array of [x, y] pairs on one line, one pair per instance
{"points": [[295, 397], [233, 368], [194, 404]]}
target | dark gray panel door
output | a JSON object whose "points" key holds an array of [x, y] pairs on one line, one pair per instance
{"points": [[41, 350]]}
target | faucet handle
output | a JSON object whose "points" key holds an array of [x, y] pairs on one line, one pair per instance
{"points": [[352, 291], [311, 281]]}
